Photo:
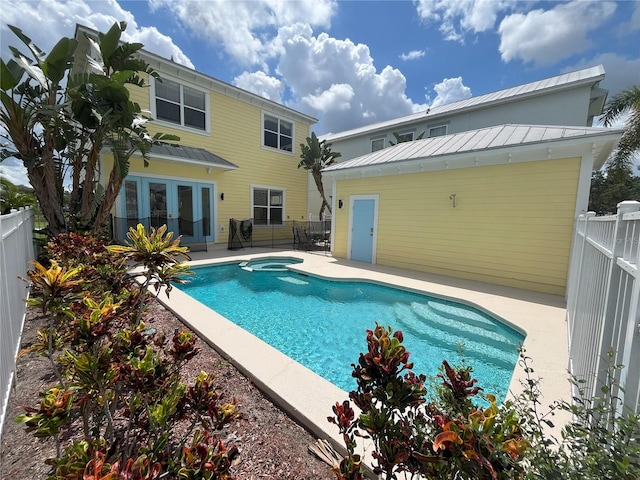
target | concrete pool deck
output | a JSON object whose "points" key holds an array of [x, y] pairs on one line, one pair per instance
{"points": [[308, 398]]}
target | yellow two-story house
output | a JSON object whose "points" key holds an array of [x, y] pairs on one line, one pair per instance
{"points": [[237, 158]]}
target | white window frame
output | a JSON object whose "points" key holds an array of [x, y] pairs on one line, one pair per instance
{"points": [[405, 133], [379, 139], [436, 127], [268, 206], [279, 135], [181, 125]]}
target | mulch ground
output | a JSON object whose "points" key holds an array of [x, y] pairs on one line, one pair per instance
{"points": [[271, 444]]}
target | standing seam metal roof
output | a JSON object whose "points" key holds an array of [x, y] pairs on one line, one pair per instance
{"points": [[192, 154], [469, 141]]}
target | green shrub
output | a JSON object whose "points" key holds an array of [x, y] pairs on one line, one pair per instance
{"points": [[117, 378], [454, 436]]}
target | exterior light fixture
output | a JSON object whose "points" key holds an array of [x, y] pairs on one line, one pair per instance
{"points": [[340, 204]]}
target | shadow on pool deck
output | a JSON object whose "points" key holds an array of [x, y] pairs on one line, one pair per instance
{"points": [[308, 397]]}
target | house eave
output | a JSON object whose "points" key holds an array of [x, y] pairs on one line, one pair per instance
{"points": [[186, 161], [596, 147]]}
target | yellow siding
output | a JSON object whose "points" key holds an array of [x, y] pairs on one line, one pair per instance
{"points": [[512, 224], [235, 135]]}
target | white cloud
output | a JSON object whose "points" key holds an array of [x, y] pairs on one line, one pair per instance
{"points": [[261, 84], [337, 80], [14, 171], [245, 29], [47, 21], [156, 42], [625, 29], [337, 98], [635, 18], [412, 55], [450, 90], [620, 72], [462, 16], [546, 37]]}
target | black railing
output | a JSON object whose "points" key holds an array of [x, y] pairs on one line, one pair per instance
{"points": [[308, 236], [193, 233], [299, 235]]}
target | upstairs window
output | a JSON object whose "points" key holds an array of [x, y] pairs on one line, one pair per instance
{"points": [[377, 144], [438, 131], [181, 105], [277, 133], [405, 137], [268, 206]]}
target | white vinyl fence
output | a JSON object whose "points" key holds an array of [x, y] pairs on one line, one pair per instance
{"points": [[16, 250], [603, 312]]}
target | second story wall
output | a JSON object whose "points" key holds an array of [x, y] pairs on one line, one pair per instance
{"points": [[565, 108], [234, 129]]}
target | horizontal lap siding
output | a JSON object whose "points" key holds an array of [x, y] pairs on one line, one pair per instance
{"points": [[512, 223], [235, 135]]}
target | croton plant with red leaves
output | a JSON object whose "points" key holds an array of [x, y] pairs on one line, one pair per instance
{"points": [[449, 437]]}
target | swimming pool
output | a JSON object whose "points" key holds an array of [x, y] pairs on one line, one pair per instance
{"points": [[321, 324]]}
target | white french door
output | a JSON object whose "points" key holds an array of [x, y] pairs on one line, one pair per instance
{"points": [[185, 207]]}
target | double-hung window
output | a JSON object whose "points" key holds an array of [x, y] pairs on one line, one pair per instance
{"points": [[277, 133], [267, 205], [177, 103], [438, 131]]}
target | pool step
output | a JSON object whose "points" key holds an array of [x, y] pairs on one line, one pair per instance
{"points": [[499, 354], [466, 315], [293, 280], [484, 331]]}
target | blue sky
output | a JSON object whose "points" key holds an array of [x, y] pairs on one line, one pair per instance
{"points": [[351, 63]]}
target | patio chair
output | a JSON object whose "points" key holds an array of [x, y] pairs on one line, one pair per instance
{"points": [[301, 241]]}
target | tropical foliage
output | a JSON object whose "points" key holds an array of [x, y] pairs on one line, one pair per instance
{"points": [[613, 185], [119, 407], [315, 156], [57, 118], [449, 429], [617, 182], [445, 438], [627, 101]]}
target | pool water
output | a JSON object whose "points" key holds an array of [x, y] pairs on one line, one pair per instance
{"points": [[322, 324]]}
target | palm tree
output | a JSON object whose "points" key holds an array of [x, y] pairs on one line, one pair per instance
{"points": [[315, 156], [58, 120], [627, 100]]}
